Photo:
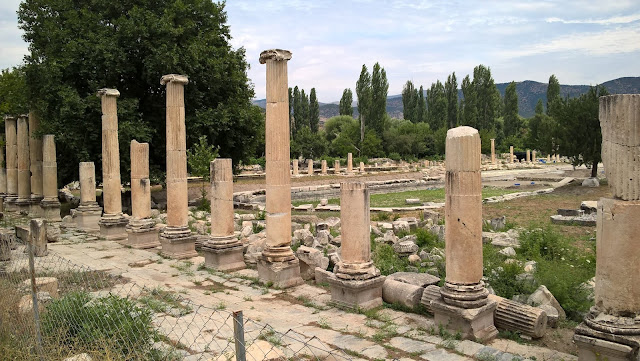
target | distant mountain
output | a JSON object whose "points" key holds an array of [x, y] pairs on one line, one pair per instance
{"points": [[528, 94]]}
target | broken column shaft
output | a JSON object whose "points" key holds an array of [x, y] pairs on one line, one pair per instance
{"points": [[87, 215], [23, 202], [10, 126], [35, 157], [50, 204], [141, 230]]}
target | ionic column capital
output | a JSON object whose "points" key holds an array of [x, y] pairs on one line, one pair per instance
{"points": [[275, 55], [107, 92], [176, 78]]}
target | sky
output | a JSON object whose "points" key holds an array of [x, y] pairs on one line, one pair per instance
{"points": [[580, 41]]}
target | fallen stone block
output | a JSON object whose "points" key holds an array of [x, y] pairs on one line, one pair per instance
{"points": [[310, 259], [417, 279], [515, 316], [44, 284], [401, 293], [542, 297]]}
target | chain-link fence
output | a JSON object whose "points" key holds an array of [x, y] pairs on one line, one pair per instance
{"points": [[51, 309]]}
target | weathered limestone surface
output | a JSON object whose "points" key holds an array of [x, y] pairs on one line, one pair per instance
{"points": [[357, 282], [464, 305], [112, 223], [88, 213], [222, 251], [323, 169], [511, 154], [141, 230], [528, 156], [611, 329], [533, 156], [310, 167], [493, 151], [35, 157], [336, 166], [349, 163], [23, 202], [50, 204], [361, 167], [3, 180], [176, 239], [38, 236], [10, 128], [295, 167]]}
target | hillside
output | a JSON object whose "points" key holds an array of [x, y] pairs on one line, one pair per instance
{"points": [[528, 94]]}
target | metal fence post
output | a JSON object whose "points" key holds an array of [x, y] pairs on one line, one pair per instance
{"points": [[34, 298], [238, 336]]}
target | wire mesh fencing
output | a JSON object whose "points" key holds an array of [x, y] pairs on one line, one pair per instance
{"points": [[52, 309]]}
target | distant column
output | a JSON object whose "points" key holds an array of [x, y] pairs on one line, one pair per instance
{"points": [[511, 154], [349, 163], [222, 251], [464, 305], [23, 202], [141, 230], [533, 156], [336, 166], [295, 167], [3, 180], [528, 156], [493, 151], [278, 264], [50, 204], [88, 213], [35, 156], [361, 167], [323, 169], [176, 239], [11, 138], [310, 167]]}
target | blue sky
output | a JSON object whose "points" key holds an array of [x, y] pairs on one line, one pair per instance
{"points": [[582, 42]]}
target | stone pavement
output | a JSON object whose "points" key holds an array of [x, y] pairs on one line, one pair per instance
{"points": [[382, 334]]}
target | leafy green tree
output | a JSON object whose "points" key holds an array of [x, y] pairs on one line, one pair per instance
{"points": [[421, 107], [512, 121], [469, 104], [363, 92], [334, 126], [409, 101], [297, 109], [345, 103], [436, 105], [371, 146], [487, 97], [199, 158], [579, 128], [379, 90], [553, 96], [308, 144], [13, 92], [78, 47], [539, 107], [314, 111], [304, 110], [451, 93]]}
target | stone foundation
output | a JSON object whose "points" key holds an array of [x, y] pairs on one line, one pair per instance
{"points": [[473, 323], [35, 211], [282, 274], [113, 228], [87, 217], [142, 234], [594, 345], [23, 206], [51, 210], [178, 243], [223, 259], [357, 294]]}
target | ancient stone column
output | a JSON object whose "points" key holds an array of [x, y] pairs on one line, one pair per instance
{"points": [[113, 223], [349, 163], [323, 165], [38, 236], [357, 282], [611, 330], [511, 154], [464, 305], [528, 156], [10, 126], [176, 239], [87, 215], [361, 167], [533, 156], [141, 230], [278, 263], [23, 202], [336, 166], [295, 167], [35, 156], [493, 151], [222, 251], [548, 158], [50, 204], [310, 167], [3, 180]]}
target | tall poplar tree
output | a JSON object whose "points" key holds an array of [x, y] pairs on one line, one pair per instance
{"points": [[345, 103], [379, 91], [297, 109], [451, 93], [469, 108], [553, 96], [409, 101], [304, 110], [436, 106], [512, 122], [421, 107], [363, 92], [314, 111]]}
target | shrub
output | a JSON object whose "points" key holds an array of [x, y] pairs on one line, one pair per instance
{"points": [[395, 156]]}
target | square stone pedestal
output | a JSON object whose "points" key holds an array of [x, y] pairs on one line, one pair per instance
{"points": [[9, 203], [178, 243], [594, 345], [142, 238], [114, 230], [23, 206], [51, 211], [354, 294], [86, 218], [474, 324], [281, 274], [225, 259], [35, 211]]}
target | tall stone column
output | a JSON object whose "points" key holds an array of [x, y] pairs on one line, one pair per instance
{"points": [[611, 330], [323, 167], [222, 251], [3, 180], [113, 222], [35, 156], [141, 230], [464, 305], [176, 239], [278, 263], [295, 167], [349, 163], [533, 156], [336, 166], [361, 167], [11, 139], [50, 204], [357, 282], [493, 151], [310, 167], [528, 156], [511, 154], [23, 202], [87, 215]]}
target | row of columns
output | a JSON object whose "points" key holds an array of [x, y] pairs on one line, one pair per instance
{"points": [[323, 166]]}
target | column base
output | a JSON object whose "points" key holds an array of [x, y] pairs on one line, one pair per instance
{"points": [[23, 206], [224, 254], [594, 345], [2, 196], [113, 227], [281, 274], [10, 203], [178, 243], [51, 209], [356, 294], [474, 324], [86, 218], [35, 211], [142, 234]]}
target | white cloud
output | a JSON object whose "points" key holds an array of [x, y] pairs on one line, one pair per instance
{"points": [[626, 19]]}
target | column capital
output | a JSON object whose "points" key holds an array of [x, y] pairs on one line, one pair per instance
{"points": [[107, 92], [180, 79], [9, 117], [275, 54]]}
